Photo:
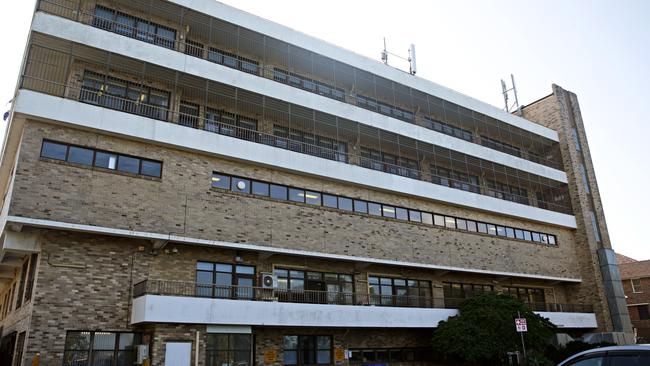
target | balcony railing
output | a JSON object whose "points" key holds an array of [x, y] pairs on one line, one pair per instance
{"points": [[248, 293], [167, 39], [192, 289], [101, 98], [455, 303]]}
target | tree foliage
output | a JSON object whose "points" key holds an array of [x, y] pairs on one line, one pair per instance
{"points": [[484, 330]]}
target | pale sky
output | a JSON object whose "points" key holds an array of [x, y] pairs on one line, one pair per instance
{"points": [[598, 49]]}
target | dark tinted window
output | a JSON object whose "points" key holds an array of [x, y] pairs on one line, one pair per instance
{"points": [[79, 155], [128, 164], [53, 150], [151, 168], [279, 192], [219, 181], [260, 189]]}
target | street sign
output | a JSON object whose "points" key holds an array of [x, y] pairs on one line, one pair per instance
{"points": [[520, 323]]}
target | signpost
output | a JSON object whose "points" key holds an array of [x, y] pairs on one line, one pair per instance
{"points": [[520, 324]]}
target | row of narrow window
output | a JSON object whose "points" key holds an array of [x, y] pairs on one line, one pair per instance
{"points": [[101, 159], [150, 32], [301, 195]]}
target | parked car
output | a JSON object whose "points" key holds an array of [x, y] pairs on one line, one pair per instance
{"points": [[637, 355]]}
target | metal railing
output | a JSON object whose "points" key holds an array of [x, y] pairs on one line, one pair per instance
{"points": [[101, 98], [68, 9], [193, 289], [251, 293], [455, 303]]}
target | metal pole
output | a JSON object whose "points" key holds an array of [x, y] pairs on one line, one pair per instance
{"points": [[523, 345]]}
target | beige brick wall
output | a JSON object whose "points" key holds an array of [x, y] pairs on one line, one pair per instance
{"points": [[183, 203]]}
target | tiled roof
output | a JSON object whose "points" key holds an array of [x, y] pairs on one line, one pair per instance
{"points": [[621, 259], [634, 269]]}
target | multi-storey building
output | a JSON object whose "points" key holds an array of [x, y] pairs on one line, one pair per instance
{"points": [[187, 176], [636, 285]]}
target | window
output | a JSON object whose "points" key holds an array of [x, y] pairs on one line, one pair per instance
{"points": [[309, 143], [279, 192], [188, 114], [345, 204], [330, 201], [594, 224], [376, 160], [643, 312], [447, 129], [220, 181], [228, 349], [360, 206], [224, 280], [362, 356], [33, 261], [576, 141], [124, 96], [194, 48], [80, 155], [454, 179], [244, 185], [21, 287], [307, 350], [636, 285], [130, 26], [399, 292], [314, 287], [87, 348], [54, 150], [100, 159], [583, 175], [501, 146], [241, 185], [454, 291], [527, 295]]}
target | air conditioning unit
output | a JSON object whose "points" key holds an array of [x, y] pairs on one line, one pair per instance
{"points": [[269, 280]]}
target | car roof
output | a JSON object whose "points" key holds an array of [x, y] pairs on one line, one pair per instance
{"points": [[637, 347]]}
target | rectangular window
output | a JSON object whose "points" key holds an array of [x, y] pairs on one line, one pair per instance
{"points": [[279, 192], [636, 285], [576, 140], [450, 222], [415, 216], [374, 209], [439, 220], [313, 198], [461, 224], [388, 211], [224, 280], [583, 175], [228, 349], [401, 213], [101, 159], [54, 150], [360, 206], [345, 204], [481, 227], [644, 314], [260, 189], [427, 218], [220, 181], [240, 185], [88, 348], [21, 287], [330, 201], [33, 262], [307, 350]]}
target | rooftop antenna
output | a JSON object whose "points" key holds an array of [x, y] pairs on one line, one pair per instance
{"points": [[410, 59], [515, 106]]}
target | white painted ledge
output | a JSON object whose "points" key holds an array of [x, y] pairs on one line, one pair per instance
{"points": [[286, 34], [571, 320], [195, 310], [133, 126], [102, 230], [95, 37]]}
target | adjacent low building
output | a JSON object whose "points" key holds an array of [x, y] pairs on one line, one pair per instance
{"points": [[188, 183], [635, 276]]}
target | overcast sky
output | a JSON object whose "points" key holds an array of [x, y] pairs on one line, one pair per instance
{"points": [[598, 49]]}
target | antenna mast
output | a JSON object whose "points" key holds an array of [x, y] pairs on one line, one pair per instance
{"points": [[515, 106], [410, 59]]}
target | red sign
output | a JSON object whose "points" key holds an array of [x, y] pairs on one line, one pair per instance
{"points": [[520, 323]]}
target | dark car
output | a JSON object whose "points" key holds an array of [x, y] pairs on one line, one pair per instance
{"points": [[637, 355]]}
